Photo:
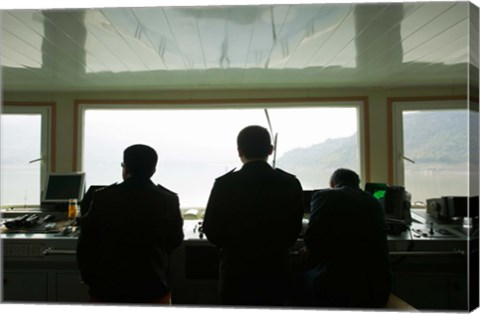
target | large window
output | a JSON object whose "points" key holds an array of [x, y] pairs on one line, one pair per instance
{"points": [[197, 145], [23, 156], [432, 148]]}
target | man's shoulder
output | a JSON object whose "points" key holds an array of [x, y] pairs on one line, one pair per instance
{"points": [[323, 192], [284, 173], [345, 194], [231, 174], [166, 191], [106, 193], [340, 191], [106, 189]]}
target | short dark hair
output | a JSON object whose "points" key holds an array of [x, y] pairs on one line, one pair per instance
{"points": [[345, 177], [140, 160], [254, 142]]}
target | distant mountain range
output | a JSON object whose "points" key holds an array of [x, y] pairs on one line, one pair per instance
{"points": [[429, 137], [436, 137], [316, 163]]}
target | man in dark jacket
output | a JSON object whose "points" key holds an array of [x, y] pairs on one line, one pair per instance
{"points": [[128, 233], [254, 216], [346, 241]]}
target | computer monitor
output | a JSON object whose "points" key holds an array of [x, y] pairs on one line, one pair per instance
{"points": [[62, 187], [395, 201]]}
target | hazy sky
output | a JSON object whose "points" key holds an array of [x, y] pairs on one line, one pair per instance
{"points": [[196, 129]]}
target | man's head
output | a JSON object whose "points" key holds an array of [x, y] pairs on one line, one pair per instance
{"points": [[139, 161], [344, 177], [253, 142]]}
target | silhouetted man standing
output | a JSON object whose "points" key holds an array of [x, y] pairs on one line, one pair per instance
{"points": [[128, 233], [254, 216]]}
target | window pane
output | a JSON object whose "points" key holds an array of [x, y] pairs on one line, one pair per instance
{"points": [[20, 144], [437, 142], [196, 146]]}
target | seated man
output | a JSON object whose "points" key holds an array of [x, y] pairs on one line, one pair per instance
{"points": [[347, 244], [128, 233]]}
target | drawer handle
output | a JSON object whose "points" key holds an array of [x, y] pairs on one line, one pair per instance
{"points": [[429, 253], [53, 251]]}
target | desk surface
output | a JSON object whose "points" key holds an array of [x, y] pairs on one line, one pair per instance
{"points": [[423, 228]]}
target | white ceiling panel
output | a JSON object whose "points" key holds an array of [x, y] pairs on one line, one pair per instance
{"points": [[249, 46], [101, 44]]}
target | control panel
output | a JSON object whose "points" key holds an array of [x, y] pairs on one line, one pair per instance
{"points": [[39, 223]]}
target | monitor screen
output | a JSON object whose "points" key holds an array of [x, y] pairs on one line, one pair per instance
{"points": [[378, 190], [394, 199], [64, 186]]}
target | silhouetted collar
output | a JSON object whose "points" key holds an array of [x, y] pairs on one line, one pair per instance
{"points": [[137, 181], [256, 164]]}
